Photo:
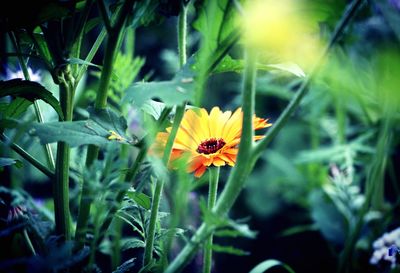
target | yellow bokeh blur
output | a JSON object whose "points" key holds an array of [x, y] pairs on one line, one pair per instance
{"points": [[281, 29]]}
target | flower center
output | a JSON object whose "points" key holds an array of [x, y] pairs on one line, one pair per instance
{"points": [[210, 146]]}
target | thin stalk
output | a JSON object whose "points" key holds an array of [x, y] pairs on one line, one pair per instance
{"points": [[28, 242], [239, 173], [24, 154], [180, 110], [113, 43], [61, 185], [38, 111], [250, 152], [148, 251], [212, 197]]}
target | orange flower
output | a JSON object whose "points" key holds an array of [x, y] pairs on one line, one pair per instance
{"points": [[208, 139]]}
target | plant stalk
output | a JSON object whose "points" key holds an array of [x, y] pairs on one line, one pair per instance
{"points": [[113, 43], [212, 197], [61, 183]]}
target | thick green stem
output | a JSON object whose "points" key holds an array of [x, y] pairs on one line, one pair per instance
{"points": [[212, 197], [24, 154], [61, 184], [113, 43]]}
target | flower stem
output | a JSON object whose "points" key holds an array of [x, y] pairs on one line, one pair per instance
{"points": [[212, 197], [239, 172], [148, 251]]}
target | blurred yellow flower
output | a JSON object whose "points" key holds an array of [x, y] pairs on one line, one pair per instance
{"points": [[282, 29], [208, 139]]}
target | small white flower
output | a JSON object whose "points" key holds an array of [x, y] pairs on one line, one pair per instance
{"points": [[34, 76]]}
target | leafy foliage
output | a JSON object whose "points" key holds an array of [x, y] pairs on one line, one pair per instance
{"points": [[102, 127]]}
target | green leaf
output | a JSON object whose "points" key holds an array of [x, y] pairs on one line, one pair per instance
{"points": [[30, 91], [133, 243], [83, 62], [141, 199], [5, 161], [230, 250], [228, 64], [16, 108], [173, 92], [268, 264], [102, 127], [153, 108]]}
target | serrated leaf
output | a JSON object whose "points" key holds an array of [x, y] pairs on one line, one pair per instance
{"points": [[173, 92], [140, 198], [230, 250], [103, 126], [268, 264], [30, 91]]}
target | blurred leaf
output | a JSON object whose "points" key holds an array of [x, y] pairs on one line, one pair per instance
{"points": [[228, 64], [141, 199], [299, 229], [153, 108], [268, 264], [133, 243], [83, 62], [329, 221], [391, 16], [229, 250], [216, 21], [172, 92], [126, 266], [5, 161], [103, 127], [30, 91]]}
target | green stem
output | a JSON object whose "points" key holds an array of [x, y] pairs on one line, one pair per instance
{"points": [[38, 111], [113, 43], [239, 172], [61, 184], [182, 34], [212, 197], [19, 150], [148, 251], [180, 110]]}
